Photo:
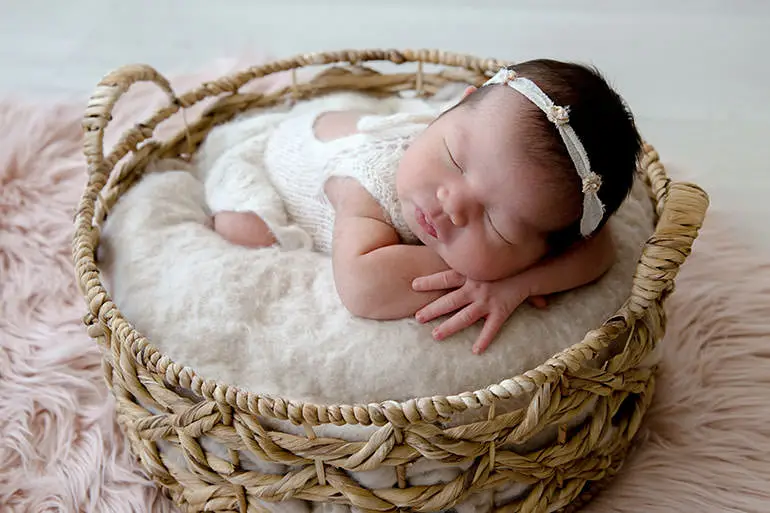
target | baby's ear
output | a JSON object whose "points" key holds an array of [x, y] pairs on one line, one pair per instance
{"points": [[468, 90]]}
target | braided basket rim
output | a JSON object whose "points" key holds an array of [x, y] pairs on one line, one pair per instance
{"points": [[681, 205]]}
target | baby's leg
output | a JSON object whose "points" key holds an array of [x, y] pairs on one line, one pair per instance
{"points": [[247, 209], [244, 229]]}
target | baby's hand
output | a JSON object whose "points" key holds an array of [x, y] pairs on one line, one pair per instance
{"points": [[494, 301]]}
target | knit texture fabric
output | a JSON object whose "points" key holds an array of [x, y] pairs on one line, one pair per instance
{"points": [[298, 164]]}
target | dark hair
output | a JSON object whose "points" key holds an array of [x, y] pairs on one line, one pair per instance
{"points": [[600, 118]]}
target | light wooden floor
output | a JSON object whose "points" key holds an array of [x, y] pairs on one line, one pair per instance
{"points": [[695, 72]]}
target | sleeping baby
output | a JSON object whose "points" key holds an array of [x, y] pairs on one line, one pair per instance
{"points": [[499, 199]]}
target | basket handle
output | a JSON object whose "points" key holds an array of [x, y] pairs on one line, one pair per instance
{"points": [[682, 209], [98, 115]]}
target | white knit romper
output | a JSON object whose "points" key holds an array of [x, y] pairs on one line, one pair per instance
{"points": [[298, 164]]}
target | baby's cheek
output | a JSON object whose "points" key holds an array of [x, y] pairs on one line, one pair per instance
{"points": [[486, 264], [513, 260]]}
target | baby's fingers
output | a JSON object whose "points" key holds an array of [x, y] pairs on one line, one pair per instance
{"points": [[447, 303], [491, 328], [439, 281], [461, 320]]}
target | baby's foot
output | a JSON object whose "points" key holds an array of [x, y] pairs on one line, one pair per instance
{"points": [[244, 229]]}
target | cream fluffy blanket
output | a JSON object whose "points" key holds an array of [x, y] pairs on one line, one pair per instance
{"points": [[704, 438]]}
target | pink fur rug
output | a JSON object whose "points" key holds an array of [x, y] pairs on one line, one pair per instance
{"points": [[704, 445]]}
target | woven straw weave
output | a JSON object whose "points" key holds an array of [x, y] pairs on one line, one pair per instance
{"points": [[160, 400]]}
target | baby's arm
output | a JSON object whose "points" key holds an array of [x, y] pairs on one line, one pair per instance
{"points": [[583, 263], [373, 270]]}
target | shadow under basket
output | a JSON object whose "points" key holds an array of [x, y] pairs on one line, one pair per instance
{"points": [[162, 402]]}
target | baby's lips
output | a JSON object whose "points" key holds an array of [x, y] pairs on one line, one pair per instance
{"points": [[425, 224]]}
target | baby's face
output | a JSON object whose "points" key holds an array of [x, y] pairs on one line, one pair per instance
{"points": [[468, 190]]}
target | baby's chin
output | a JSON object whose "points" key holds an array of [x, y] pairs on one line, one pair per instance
{"points": [[426, 239]]}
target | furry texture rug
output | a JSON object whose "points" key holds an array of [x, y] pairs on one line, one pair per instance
{"points": [[704, 442]]}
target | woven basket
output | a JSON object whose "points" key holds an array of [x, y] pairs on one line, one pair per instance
{"points": [[160, 400]]}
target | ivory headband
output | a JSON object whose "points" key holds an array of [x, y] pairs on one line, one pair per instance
{"points": [[593, 209]]}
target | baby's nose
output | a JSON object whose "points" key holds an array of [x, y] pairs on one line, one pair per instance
{"points": [[457, 205]]}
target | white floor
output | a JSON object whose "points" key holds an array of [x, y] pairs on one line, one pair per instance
{"points": [[695, 72]]}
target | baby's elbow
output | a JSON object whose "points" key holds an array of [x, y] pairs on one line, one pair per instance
{"points": [[365, 291], [357, 306], [359, 299]]}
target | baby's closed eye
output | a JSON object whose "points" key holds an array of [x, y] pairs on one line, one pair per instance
{"points": [[452, 159]]}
